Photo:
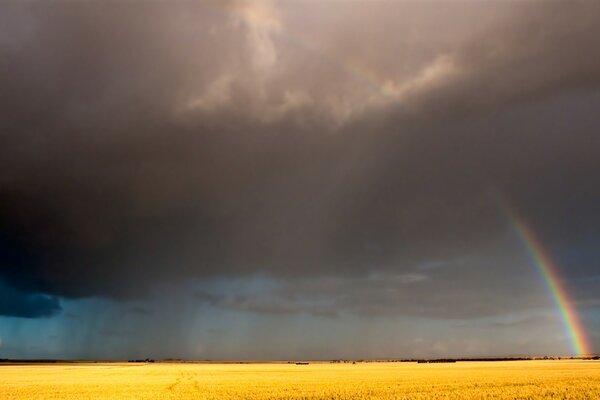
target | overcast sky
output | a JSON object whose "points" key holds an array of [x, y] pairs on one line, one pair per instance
{"points": [[301, 179]]}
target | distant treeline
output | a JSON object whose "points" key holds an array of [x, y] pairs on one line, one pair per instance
{"points": [[29, 361], [453, 360], [417, 360]]}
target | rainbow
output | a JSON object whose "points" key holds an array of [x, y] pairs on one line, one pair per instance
{"points": [[549, 272]]}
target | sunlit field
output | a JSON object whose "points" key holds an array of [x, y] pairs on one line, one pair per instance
{"points": [[564, 379]]}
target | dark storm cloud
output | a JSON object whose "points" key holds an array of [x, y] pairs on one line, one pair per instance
{"points": [[150, 143], [15, 303]]}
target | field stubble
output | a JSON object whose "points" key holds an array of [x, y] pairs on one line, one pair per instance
{"points": [[564, 379]]}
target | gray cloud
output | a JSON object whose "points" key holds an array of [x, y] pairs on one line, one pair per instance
{"points": [[461, 292], [141, 311], [154, 143], [523, 322], [278, 306], [527, 55]]}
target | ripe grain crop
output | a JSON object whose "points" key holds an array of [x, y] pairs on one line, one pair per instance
{"points": [[558, 379]]}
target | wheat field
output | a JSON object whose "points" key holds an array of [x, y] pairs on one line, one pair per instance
{"points": [[558, 379]]}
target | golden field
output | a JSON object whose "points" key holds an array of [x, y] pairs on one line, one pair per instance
{"points": [[560, 379]]}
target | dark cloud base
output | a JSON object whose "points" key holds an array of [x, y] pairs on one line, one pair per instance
{"points": [[15, 303]]}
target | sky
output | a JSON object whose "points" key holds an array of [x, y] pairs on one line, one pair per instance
{"points": [[266, 180]]}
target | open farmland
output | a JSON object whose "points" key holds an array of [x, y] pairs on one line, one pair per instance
{"points": [[564, 379]]}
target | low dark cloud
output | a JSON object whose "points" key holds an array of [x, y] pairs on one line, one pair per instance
{"points": [[209, 298], [529, 322], [267, 302], [458, 293], [15, 303], [142, 311], [107, 332], [153, 144]]}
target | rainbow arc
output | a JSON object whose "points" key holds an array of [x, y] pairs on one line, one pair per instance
{"points": [[548, 270]]}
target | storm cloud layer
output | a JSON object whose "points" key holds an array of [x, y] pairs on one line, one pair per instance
{"points": [[360, 154]]}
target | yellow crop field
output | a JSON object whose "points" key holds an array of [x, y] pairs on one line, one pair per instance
{"points": [[559, 379]]}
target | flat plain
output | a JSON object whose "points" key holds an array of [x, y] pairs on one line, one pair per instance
{"points": [[557, 379]]}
